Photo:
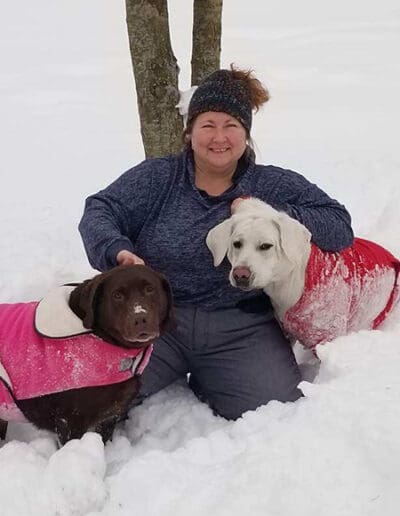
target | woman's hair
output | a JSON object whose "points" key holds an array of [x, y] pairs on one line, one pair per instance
{"points": [[235, 91], [259, 94]]}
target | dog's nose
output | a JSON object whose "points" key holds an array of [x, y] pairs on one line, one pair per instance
{"points": [[241, 275], [139, 322], [140, 328]]}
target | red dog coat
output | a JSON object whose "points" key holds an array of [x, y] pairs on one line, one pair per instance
{"points": [[35, 365], [343, 292]]}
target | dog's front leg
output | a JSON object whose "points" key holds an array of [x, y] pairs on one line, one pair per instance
{"points": [[3, 429], [106, 428], [63, 430]]}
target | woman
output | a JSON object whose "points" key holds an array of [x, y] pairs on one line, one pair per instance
{"points": [[160, 212]]}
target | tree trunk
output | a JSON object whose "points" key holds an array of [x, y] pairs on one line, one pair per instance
{"points": [[206, 39], [156, 76]]}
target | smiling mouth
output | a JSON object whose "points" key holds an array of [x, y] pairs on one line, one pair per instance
{"points": [[220, 151]]}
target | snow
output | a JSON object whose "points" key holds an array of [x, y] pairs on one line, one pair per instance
{"points": [[69, 126]]}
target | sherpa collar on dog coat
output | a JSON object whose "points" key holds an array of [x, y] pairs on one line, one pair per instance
{"points": [[44, 349], [343, 292]]}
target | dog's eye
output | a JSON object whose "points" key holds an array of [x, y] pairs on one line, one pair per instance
{"points": [[148, 289], [265, 247], [237, 244], [117, 295]]}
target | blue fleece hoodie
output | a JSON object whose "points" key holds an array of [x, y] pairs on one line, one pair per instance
{"points": [[156, 211]]}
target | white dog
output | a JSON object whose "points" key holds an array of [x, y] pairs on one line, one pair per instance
{"points": [[316, 295]]}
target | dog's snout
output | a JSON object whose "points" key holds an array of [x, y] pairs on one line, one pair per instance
{"points": [[144, 336], [241, 273], [139, 317], [241, 276], [139, 320], [140, 324]]}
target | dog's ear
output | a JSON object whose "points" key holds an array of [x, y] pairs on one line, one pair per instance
{"points": [[83, 298], [218, 240], [294, 238], [167, 309]]}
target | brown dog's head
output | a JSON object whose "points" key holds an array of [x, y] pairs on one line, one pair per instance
{"points": [[129, 305]]}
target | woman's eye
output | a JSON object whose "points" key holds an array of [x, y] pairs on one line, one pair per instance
{"points": [[237, 244], [265, 247]]}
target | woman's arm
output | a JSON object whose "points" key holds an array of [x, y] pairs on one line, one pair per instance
{"points": [[328, 221], [113, 217]]}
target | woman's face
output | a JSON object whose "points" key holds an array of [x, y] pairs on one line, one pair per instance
{"points": [[218, 141]]}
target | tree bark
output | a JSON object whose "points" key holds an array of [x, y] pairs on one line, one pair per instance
{"points": [[156, 76], [206, 38]]}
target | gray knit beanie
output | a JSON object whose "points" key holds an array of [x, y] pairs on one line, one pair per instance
{"points": [[221, 92]]}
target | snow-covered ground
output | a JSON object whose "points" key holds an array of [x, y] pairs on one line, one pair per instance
{"points": [[69, 125]]}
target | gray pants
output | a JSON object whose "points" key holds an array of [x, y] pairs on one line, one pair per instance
{"points": [[237, 360]]}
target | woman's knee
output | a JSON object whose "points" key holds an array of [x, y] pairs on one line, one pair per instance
{"points": [[233, 403], [234, 409]]}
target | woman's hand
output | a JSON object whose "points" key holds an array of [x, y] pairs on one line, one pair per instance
{"points": [[237, 201], [128, 258]]}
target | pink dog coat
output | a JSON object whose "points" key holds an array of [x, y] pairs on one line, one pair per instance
{"points": [[32, 364], [344, 292]]}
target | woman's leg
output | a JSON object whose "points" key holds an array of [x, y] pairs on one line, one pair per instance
{"points": [[238, 360], [168, 361], [241, 361]]}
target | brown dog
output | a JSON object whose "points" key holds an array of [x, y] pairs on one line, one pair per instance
{"points": [[120, 311]]}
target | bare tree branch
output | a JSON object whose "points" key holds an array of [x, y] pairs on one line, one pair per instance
{"points": [[156, 76], [206, 38], [156, 70]]}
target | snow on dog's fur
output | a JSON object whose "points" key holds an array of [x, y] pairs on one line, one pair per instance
{"points": [[317, 295]]}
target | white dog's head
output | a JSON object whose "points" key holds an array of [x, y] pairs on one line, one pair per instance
{"points": [[262, 244]]}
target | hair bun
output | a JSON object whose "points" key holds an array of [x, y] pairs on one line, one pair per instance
{"points": [[259, 94], [236, 92]]}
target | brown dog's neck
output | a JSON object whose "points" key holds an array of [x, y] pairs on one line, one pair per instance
{"points": [[74, 302], [77, 301]]}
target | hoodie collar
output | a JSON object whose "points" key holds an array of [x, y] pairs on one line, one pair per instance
{"points": [[239, 179]]}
